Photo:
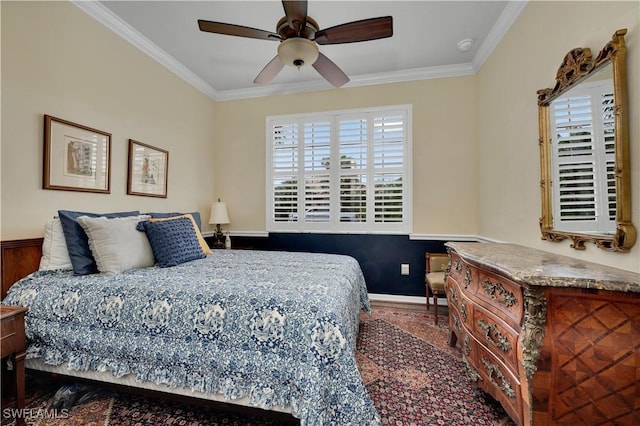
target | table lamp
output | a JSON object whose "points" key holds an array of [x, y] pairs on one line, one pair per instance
{"points": [[219, 216]]}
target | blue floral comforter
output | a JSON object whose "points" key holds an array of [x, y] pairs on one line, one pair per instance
{"points": [[277, 327]]}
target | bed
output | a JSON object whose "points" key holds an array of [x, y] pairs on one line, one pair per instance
{"points": [[274, 330]]}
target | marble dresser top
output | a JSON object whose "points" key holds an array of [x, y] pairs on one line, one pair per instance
{"points": [[540, 268]]}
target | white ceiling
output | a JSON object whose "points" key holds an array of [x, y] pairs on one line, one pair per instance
{"points": [[424, 43]]}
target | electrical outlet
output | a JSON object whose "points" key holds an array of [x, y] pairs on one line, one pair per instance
{"points": [[404, 269]]}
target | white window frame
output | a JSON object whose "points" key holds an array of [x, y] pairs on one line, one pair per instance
{"points": [[596, 158], [334, 225]]}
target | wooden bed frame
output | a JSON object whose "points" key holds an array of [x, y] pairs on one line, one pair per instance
{"points": [[18, 259]]}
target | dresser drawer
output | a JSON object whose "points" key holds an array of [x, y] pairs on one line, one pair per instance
{"points": [[491, 375], [502, 296], [456, 267], [488, 373], [469, 347], [12, 332], [453, 292], [496, 335], [455, 320], [464, 274], [457, 300], [498, 381]]}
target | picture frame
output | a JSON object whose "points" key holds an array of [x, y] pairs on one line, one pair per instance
{"points": [[148, 170], [76, 157]]}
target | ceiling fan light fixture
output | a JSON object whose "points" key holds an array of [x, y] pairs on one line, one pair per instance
{"points": [[298, 52]]}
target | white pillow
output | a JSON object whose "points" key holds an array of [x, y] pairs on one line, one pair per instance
{"points": [[54, 248], [116, 244]]}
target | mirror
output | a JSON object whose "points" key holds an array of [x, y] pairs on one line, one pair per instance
{"points": [[584, 150]]}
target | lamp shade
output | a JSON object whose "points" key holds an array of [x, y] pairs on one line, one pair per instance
{"points": [[219, 214], [298, 52]]}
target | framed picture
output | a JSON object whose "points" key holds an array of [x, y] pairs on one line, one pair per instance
{"points": [[76, 157], [148, 170]]}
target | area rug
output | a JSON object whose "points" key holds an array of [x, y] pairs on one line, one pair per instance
{"points": [[411, 374], [414, 377]]}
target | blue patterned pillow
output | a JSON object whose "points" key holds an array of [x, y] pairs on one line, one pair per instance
{"points": [[173, 241]]}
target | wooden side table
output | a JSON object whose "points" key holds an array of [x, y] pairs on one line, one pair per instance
{"points": [[13, 344]]}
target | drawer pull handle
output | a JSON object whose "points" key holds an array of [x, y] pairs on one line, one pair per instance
{"points": [[456, 322], [508, 298], [491, 330], [470, 372], [457, 265], [467, 345], [467, 277], [454, 295], [463, 309], [504, 386]]}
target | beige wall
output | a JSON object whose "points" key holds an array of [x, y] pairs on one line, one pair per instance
{"points": [[57, 60], [475, 152], [443, 145], [527, 60]]}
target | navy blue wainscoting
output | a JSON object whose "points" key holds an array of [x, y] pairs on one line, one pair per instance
{"points": [[380, 256]]}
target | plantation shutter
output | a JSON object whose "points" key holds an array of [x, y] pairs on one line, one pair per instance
{"points": [[585, 192], [388, 165], [316, 165], [341, 172], [284, 182], [353, 142]]}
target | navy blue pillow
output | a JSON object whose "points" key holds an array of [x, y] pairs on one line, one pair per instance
{"points": [[195, 215], [173, 241], [82, 260]]}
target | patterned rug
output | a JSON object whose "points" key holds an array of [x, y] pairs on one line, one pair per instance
{"points": [[414, 377], [411, 374]]}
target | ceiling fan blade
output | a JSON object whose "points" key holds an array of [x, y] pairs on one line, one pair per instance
{"points": [[351, 32], [269, 71], [330, 71], [296, 12], [236, 30]]}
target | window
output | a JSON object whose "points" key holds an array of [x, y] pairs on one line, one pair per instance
{"points": [[345, 171], [586, 191]]}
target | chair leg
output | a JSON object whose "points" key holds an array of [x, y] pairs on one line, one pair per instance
{"points": [[435, 308], [428, 294]]}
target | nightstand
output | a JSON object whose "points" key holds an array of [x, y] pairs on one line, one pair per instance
{"points": [[13, 344]]}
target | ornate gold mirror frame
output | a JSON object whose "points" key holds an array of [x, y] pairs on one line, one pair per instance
{"points": [[577, 65]]}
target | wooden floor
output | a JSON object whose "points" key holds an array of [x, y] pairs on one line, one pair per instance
{"points": [[442, 309]]}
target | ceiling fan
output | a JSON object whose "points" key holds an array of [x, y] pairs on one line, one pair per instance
{"points": [[299, 36]]}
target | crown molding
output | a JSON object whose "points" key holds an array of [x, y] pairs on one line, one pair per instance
{"points": [[502, 25], [110, 20], [103, 15], [356, 81]]}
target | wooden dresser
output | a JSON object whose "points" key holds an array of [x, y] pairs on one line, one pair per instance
{"points": [[554, 339]]}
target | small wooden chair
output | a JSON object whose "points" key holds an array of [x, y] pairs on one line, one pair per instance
{"points": [[434, 278]]}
